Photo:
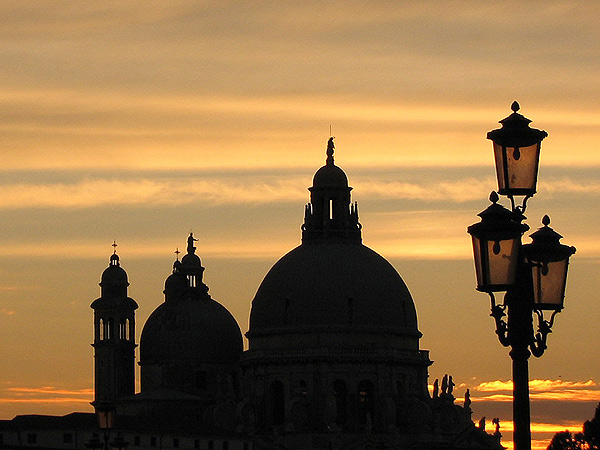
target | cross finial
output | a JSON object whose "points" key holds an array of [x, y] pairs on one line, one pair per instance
{"points": [[114, 246], [177, 252]]}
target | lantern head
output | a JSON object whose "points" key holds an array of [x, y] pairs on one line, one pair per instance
{"points": [[516, 154], [496, 246], [549, 261]]}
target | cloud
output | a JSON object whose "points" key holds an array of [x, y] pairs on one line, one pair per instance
{"points": [[147, 191], [49, 390], [540, 390], [7, 312], [44, 395], [536, 385]]}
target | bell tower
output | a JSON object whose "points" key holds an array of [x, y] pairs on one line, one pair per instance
{"points": [[114, 336]]}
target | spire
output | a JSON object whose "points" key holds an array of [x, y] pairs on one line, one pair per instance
{"points": [[330, 149], [114, 258], [114, 279]]}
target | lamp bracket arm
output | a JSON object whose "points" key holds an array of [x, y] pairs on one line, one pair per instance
{"points": [[538, 343], [520, 209], [498, 313]]}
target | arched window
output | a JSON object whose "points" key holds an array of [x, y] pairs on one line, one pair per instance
{"points": [[122, 330], [101, 329], [278, 402], [192, 280], [341, 406], [108, 332], [365, 401]]}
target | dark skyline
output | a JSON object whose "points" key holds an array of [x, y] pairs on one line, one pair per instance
{"points": [[142, 124]]}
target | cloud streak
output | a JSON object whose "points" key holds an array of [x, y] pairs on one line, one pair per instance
{"points": [[540, 390], [45, 395], [249, 189]]}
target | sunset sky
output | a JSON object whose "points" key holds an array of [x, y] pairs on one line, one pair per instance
{"points": [[140, 121]]}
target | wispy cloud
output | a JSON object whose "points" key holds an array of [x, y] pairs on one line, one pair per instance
{"points": [[45, 395], [249, 189], [540, 390]]}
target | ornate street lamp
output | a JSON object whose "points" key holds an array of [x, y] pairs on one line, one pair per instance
{"points": [[549, 261], [533, 275], [517, 155], [496, 247]]}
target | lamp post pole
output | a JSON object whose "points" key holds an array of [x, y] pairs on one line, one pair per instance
{"points": [[532, 275], [520, 330]]}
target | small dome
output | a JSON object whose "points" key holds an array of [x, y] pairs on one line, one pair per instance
{"points": [[330, 175], [190, 331], [333, 286], [191, 261], [176, 283], [114, 273]]}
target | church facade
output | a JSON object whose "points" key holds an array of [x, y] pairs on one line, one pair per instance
{"points": [[333, 359]]}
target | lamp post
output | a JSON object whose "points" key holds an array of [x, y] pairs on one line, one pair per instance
{"points": [[532, 275]]}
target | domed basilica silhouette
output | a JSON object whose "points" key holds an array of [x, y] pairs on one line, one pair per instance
{"points": [[333, 359]]}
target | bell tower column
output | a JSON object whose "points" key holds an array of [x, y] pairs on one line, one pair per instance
{"points": [[114, 336]]}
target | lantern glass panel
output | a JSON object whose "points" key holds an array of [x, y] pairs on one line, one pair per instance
{"points": [[549, 281], [500, 167], [497, 264], [479, 261], [516, 169]]}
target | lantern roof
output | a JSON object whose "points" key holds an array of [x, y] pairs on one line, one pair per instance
{"points": [[515, 131], [546, 244], [498, 222]]}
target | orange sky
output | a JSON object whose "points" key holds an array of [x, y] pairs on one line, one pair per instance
{"points": [[140, 121]]}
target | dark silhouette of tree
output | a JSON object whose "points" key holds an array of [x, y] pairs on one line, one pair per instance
{"points": [[589, 439], [591, 431], [564, 440]]}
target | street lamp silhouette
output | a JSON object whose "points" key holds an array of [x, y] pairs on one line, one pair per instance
{"points": [[534, 275]]}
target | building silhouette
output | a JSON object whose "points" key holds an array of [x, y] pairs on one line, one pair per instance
{"points": [[333, 361]]}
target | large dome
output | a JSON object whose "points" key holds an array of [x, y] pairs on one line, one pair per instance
{"points": [[192, 331], [333, 286]]}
